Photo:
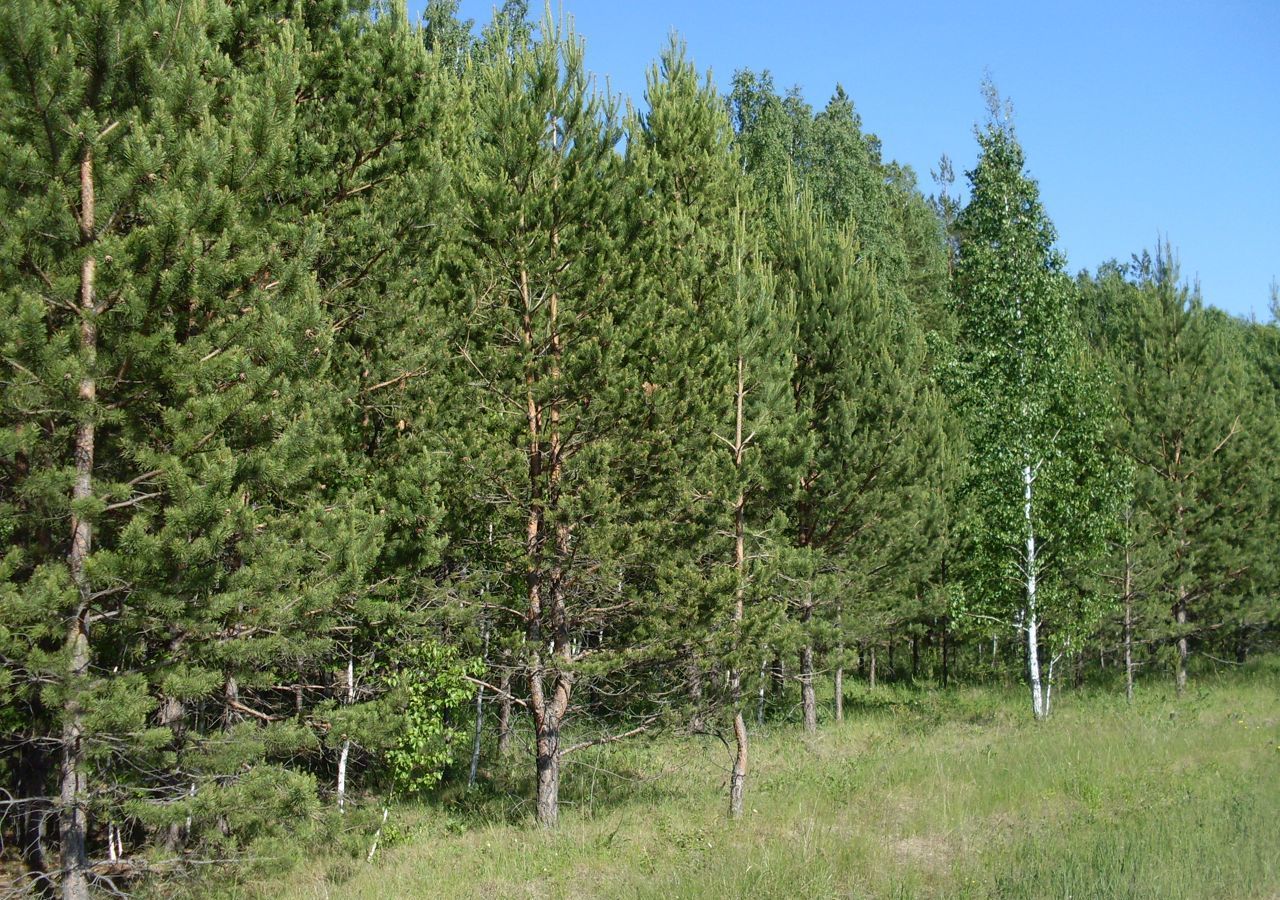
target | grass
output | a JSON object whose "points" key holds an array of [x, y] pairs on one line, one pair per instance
{"points": [[916, 794]]}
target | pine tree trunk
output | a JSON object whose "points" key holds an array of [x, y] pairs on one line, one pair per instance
{"points": [[808, 697], [871, 666], [548, 796], [738, 778], [547, 614], [170, 716], [73, 818]]}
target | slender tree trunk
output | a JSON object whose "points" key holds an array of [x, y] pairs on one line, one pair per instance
{"points": [[946, 655], [170, 716], [1128, 627], [808, 697], [1180, 616], [1032, 623], [504, 713], [839, 693], [738, 777], [838, 686], [73, 818], [345, 753], [871, 666], [475, 739], [1048, 693]]}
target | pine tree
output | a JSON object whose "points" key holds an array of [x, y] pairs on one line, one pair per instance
{"points": [[556, 380], [872, 437], [1197, 431], [242, 200]]}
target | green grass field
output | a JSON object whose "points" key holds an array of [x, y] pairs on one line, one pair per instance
{"points": [[916, 794]]}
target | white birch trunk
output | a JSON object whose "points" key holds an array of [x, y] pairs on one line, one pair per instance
{"points": [[1033, 622], [1128, 624], [345, 754], [475, 742]]}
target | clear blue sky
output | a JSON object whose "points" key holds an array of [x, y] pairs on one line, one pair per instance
{"points": [[1139, 119]]}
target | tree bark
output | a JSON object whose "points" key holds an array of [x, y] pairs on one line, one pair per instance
{"points": [[871, 666], [946, 654], [548, 797], [1032, 623], [475, 740], [550, 681], [1128, 627], [73, 818], [344, 755], [808, 698], [738, 777], [1180, 616]]}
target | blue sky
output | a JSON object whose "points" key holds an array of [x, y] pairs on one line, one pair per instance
{"points": [[1139, 119]]}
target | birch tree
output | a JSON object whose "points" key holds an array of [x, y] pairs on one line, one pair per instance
{"points": [[1039, 490]]}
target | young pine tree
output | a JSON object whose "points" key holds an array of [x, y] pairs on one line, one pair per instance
{"points": [[555, 370], [1198, 433]]}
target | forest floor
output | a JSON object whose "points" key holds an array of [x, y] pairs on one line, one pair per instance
{"points": [[918, 793]]}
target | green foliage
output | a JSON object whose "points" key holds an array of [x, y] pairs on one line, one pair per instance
{"points": [[1033, 401], [429, 686], [413, 362]]}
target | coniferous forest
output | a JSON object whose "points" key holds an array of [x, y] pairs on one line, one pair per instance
{"points": [[384, 402]]}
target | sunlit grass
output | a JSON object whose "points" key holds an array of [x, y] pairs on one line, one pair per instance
{"points": [[916, 794]]}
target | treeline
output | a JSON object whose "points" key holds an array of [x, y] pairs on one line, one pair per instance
{"points": [[361, 377]]}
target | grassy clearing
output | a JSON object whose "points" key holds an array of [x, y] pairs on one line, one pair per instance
{"points": [[917, 794]]}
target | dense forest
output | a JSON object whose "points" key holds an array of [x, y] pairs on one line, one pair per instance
{"points": [[377, 398]]}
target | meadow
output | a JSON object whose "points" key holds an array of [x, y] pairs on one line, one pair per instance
{"points": [[918, 793]]}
